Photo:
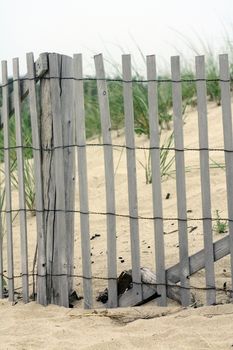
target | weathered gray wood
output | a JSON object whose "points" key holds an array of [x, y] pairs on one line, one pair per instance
{"points": [[228, 142], [68, 132], [149, 289], [180, 179], [41, 262], [131, 173], [41, 66], [197, 260], [21, 187], [196, 263], [57, 117], [5, 108], [205, 179], [82, 179], [128, 298], [109, 180], [48, 175], [156, 179], [60, 268]]}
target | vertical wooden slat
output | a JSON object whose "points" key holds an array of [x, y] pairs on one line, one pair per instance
{"points": [[48, 176], [68, 132], [60, 239], [58, 169], [20, 163], [82, 179], [131, 170], [156, 179], [5, 111], [109, 180], [180, 180], [205, 179], [41, 261], [228, 142]]}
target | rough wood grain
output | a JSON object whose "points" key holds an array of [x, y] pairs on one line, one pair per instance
{"points": [[109, 180], [59, 264], [48, 174], [39, 203], [68, 135], [21, 186], [58, 168]]}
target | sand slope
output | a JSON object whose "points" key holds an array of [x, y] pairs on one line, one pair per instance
{"points": [[34, 327]]}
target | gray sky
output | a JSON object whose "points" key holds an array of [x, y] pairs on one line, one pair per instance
{"points": [[111, 27]]}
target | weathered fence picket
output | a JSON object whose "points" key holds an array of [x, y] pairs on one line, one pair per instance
{"points": [[224, 75], [21, 186], [5, 112], [59, 263], [205, 179], [79, 111], [156, 179], [41, 260], [68, 139], [180, 180], [109, 180], [131, 173]]}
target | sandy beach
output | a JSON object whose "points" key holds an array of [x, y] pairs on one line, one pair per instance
{"points": [[32, 326]]}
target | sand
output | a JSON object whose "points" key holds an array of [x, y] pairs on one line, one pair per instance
{"points": [[32, 326]]}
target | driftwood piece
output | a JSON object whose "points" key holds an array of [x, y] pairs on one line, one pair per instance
{"points": [[125, 292], [149, 290], [196, 263]]}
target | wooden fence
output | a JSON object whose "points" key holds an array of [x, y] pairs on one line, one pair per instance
{"points": [[57, 115]]}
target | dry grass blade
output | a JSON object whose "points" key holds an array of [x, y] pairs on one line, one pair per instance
{"points": [[166, 161]]}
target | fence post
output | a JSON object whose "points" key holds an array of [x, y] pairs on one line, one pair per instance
{"points": [[58, 169]]}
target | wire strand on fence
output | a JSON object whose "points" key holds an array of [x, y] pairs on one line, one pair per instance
{"points": [[100, 278], [146, 148], [120, 80], [126, 216]]}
